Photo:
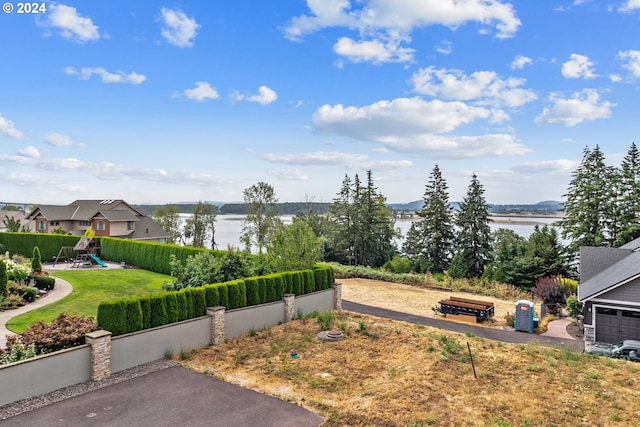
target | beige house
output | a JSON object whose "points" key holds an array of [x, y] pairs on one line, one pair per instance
{"points": [[12, 215], [113, 218]]}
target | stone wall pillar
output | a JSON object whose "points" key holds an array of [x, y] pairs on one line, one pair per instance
{"points": [[217, 324], [289, 307], [337, 296], [100, 342]]}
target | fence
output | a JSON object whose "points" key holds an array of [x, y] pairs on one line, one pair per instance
{"points": [[102, 355]]}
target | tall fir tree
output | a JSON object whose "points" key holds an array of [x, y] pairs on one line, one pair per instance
{"points": [[628, 200], [544, 255], [474, 233], [587, 207], [433, 234]]}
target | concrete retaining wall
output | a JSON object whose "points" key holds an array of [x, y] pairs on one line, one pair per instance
{"points": [[108, 354], [43, 374]]}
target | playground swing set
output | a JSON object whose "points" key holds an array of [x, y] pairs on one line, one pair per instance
{"points": [[83, 254]]}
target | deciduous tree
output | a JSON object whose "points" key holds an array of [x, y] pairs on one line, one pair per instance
{"points": [[262, 218], [168, 217]]}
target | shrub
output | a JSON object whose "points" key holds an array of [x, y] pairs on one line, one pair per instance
{"points": [[171, 302], [309, 281], [36, 261], [199, 298], [42, 282], [65, 331], [158, 311], [17, 352], [133, 315], [183, 309], [11, 301], [253, 294], [325, 320], [112, 316], [235, 294], [146, 312], [211, 292], [3, 278], [223, 294]]}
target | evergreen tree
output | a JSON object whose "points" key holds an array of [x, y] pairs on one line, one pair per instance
{"points": [[474, 233], [544, 255], [628, 201], [262, 218], [587, 211], [342, 233], [433, 233], [362, 231], [509, 250]]}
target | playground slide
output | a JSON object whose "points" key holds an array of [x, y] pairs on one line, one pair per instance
{"points": [[98, 260]]}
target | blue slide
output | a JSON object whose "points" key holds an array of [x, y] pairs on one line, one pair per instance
{"points": [[98, 260]]}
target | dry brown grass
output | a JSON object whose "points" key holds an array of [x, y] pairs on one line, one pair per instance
{"points": [[398, 374]]}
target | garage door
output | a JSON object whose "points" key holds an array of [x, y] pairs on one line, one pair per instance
{"points": [[613, 325]]}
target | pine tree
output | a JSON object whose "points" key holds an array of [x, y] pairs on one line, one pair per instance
{"points": [[544, 255], [628, 201], [474, 233], [434, 231], [587, 211], [342, 232]]}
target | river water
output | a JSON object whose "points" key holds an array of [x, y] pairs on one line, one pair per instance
{"points": [[229, 227]]}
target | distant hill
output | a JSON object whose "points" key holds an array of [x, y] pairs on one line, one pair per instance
{"points": [[546, 207]]}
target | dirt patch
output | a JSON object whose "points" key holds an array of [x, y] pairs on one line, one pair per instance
{"points": [[415, 300]]}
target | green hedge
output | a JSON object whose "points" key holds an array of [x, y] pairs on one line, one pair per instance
{"points": [[112, 316], [45, 283], [127, 315], [48, 244], [147, 255]]}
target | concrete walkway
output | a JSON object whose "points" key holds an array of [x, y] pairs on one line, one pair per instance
{"points": [[61, 289], [558, 329]]}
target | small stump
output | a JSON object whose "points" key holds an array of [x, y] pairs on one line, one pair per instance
{"points": [[330, 336]]}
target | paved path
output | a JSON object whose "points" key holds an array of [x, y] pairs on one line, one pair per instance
{"points": [[558, 328], [61, 289], [504, 335]]}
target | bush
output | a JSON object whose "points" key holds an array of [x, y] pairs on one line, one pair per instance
{"points": [[223, 294], [3, 278], [158, 311], [171, 302], [36, 261], [183, 309], [309, 281], [133, 315], [44, 283], [65, 331], [213, 298], [253, 294], [145, 306], [112, 316], [199, 298], [17, 352]]}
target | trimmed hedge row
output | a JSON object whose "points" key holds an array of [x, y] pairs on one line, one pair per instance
{"points": [[147, 255], [131, 314], [48, 244]]}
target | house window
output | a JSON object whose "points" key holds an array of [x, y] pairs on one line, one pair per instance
{"points": [[130, 225], [42, 226], [55, 223], [101, 226], [85, 223]]}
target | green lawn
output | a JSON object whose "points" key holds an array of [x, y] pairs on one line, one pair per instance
{"points": [[89, 289]]}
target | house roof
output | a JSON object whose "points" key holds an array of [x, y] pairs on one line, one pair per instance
{"points": [[146, 229], [117, 216], [625, 267], [83, 210]]}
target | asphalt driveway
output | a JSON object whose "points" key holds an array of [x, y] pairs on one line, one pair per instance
{"points": [[171, 397]]}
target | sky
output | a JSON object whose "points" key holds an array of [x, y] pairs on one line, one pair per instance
{"points": [[178, 101]]}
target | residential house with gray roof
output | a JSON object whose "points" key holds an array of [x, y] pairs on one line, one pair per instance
{"points": [[610, 291], [113, 218]]}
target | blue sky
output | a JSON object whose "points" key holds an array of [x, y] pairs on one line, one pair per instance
{"points": [[158, 102]]}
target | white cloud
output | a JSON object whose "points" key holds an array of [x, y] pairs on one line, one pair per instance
{"points": [[632, 58], [30, 151], [445, 47], [265, 96], [107, 77], [630, 6], [384, 24], [376, 51], [289, 175], [484, 87], [71, 25], [583, 106], [8, 128], [315, 158], [58, 140], [578, 66], [520, 62], [179, 29], [412, 125], [545, 167], [201, 92], [615, 78]]}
